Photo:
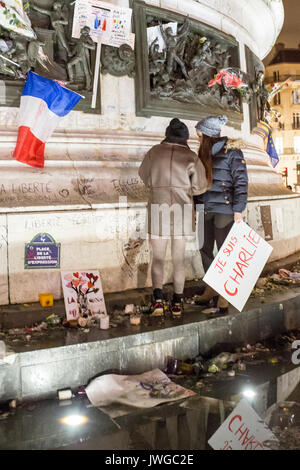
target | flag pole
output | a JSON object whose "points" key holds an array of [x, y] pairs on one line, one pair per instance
{"points": [[75, 92], [60, 82], [96, 75]]}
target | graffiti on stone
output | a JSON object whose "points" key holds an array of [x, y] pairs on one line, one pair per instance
{"points": [[134, 260], [131, 187]]}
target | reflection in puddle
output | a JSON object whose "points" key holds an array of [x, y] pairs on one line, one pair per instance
{"points": [[184, 425]]}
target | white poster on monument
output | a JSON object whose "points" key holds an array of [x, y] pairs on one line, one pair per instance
{"points": [[83, 294], [109, 24], [237, 266], [242, 430], [154, 34]]}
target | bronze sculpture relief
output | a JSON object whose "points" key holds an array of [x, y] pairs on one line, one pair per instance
{"points": [[54, 54], [183, 69], [174, 47], [118, 61], [178, 60], [172, 71]]}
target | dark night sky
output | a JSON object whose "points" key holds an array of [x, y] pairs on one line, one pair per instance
{"points": [[290, 34]]}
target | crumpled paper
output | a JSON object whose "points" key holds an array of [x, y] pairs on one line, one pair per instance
{"points": [[141, 391]]}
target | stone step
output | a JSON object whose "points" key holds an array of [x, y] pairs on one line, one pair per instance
{"points": [[19, 315], [70, 357]]}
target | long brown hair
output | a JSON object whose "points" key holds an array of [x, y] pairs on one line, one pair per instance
{"points": [[205, 155]]}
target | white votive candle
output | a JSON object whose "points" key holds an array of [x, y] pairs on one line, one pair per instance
{"points": [[104, 322], [135, 320]]}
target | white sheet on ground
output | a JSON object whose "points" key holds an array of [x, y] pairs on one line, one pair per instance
{"points": [[128, 390]]}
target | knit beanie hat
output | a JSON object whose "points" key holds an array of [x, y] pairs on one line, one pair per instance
{"points": [[177, 129], [211, 125]]}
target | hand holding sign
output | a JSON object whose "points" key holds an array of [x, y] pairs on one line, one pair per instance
{"points": [[238, 217], [237, 266]]}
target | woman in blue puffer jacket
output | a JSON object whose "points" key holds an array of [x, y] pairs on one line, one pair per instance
{"points": [[226, 198]]}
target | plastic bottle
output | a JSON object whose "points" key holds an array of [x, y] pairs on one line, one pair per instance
{"points": [[176, 366], [184, 368]]}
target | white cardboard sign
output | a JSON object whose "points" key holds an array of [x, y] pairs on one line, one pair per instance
{"points": [[242, 430], [76, 285], [109, 24], [237, 266]]}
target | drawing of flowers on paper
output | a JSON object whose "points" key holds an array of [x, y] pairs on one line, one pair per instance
{"points": [[83, 294]]}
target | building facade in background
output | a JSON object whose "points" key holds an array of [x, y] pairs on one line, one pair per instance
{"points": [[285, 68]]}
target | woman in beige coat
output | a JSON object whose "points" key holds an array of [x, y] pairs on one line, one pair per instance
{"points": [[173, 174]]}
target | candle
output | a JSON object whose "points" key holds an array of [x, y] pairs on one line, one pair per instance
{"points": [[104, 322], [135, 320], [129, 308], [82, 321], [64, 394]]}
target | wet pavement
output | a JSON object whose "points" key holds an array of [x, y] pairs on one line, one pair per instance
{"points": [[14, 316], [120, 326], [183, 425]]}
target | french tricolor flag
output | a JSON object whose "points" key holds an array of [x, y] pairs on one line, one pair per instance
{"points": [[43, 103]]}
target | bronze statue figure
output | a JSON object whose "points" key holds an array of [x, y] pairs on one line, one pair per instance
{"points": [[172, 47], [220, 57], [156, 61], [203, 55], [203, 65], [58, 21], [36, 55], [262, 95], [82, 50], [27, 53], [18, 53]]}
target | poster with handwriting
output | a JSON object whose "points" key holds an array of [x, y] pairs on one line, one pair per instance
{"points": [[109, 24], [83, 293], [237, 266], [243, 430]]}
